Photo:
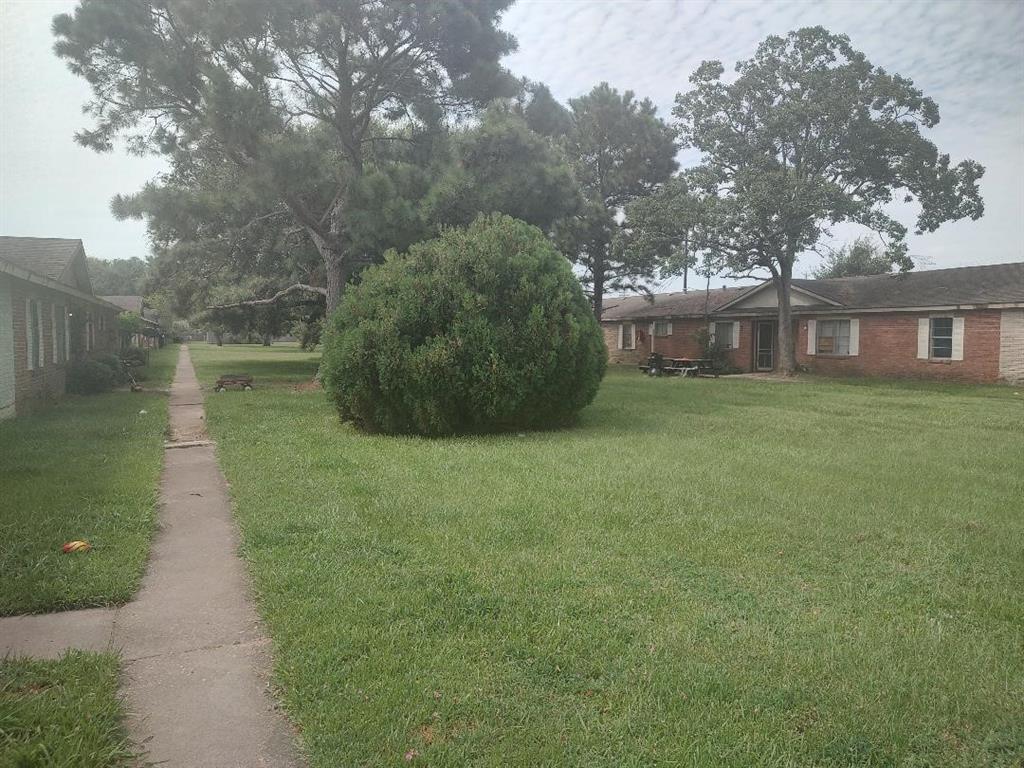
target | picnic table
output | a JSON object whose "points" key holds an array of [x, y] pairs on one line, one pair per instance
{"points": [[243, 380], [657, 365]]}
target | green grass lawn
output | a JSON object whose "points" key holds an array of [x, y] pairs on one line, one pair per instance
{"points": [[86, 468], [702, 573], [62, 713]]}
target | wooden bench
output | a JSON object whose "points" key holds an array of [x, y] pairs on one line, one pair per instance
{"points": [[243, 380]]}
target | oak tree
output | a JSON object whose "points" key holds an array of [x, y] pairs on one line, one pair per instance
{"points": [[807, 135]]}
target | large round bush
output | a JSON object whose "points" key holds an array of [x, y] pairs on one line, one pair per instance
{"points": [[483, 329]]}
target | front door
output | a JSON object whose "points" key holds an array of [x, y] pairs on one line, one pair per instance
{"points": [[764, 350]]}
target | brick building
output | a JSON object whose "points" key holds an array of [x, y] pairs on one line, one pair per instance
{"points": [[48, 316], [964, 324]]}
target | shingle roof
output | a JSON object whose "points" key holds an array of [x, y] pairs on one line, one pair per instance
{"points": [[669, 304], [988, 284], [127, 303], [46, 256]]}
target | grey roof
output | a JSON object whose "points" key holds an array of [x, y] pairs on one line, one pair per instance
{"points": [[127, 303], [45, 256], [988, 284], [669, 304]]}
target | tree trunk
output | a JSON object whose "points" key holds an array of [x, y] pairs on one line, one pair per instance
{"points": [[337, 276], [598, 290], [266, 339], [787, 349], [219, 337]]}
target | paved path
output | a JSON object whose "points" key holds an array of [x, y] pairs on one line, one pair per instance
{"points": [[196, 662]]}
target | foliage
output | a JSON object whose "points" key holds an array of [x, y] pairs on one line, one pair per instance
{"points": [[300, 98], [644, 589], [810, 134], [658, 227], [483, 329], [136, 357], [501, 166], [619, 150], [861, 257], [118, 277], [90, 377], [711, 349], [309, 332]]}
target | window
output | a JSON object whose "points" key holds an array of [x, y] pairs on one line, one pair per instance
{"points": [[626, 336], [723, 335], [833, 337], [942, 337], [60, 334], [662, 328], [34, 334]]}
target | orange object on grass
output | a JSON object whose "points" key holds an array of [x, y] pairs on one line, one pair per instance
{"points": [[76, 546]]}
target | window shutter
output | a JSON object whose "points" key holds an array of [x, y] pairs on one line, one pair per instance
{"points": [[855, 336], [620, 335], [29, 362], [958, 338], [736, 334], [67, 337], [53, 329], [41, 349], [923, 327], [669, 327], [711, 330], [812, 336]]}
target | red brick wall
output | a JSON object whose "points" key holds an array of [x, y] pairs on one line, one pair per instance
{"points": [[681, 343], [888, 348], [41, 384]]}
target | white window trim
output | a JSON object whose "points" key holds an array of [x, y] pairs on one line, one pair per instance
{"points": [[67, 334], [924, 337], [622, 339], [668, 328], [733, 332], [812, 337]]}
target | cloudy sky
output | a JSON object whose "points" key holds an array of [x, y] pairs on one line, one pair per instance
{"points": [[968, 56]]}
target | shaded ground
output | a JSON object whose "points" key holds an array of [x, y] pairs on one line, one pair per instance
{"points": [[86, 468], [702, 573]]}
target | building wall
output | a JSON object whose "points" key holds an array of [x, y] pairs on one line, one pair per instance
{"points": [[682, 342], [888, 344], [1011, 346], [7, 388], [40, 384]]}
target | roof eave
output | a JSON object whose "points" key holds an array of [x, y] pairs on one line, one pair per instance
{"points": [[31, 277]]}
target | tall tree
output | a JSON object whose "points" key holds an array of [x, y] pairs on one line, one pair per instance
{"points": [[501, 166], [658, 229], [118, 277], [620, 150], [861, 257], [810, 134], [268, 81]]}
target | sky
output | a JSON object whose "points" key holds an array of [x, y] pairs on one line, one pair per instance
{"points": [[968, 56]]}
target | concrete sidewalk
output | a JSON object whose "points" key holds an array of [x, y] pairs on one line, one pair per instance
{"points": [[196, 661]]}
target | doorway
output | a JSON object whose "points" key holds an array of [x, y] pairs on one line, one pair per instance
{"points": [[764, 345]]}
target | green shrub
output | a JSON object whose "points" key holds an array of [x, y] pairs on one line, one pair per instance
{"points": [[113, 362], [89, 377], [135, 357], [483, 329]]}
